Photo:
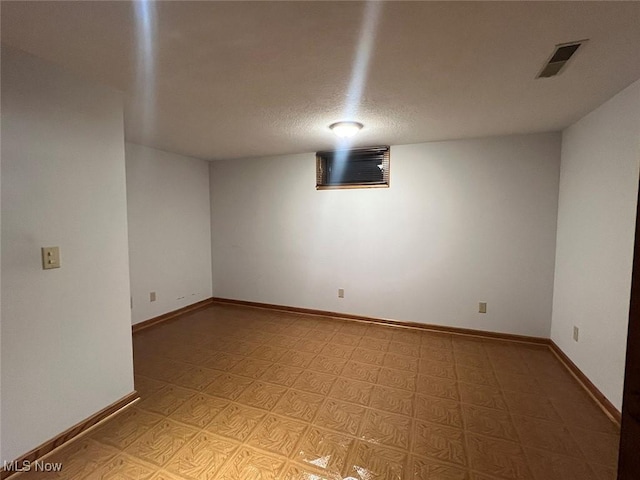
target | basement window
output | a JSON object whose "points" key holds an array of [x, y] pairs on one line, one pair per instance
{"points": [[355, 168]]}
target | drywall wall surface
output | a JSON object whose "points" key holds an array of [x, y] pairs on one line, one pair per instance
{"points": [[463, 222], [169, 230], [66, 333], [596, 229]]}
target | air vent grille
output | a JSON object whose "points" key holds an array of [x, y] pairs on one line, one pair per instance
{"points": [[561, 55]]}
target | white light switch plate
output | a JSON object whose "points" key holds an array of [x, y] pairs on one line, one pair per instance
{"points": [[50, 257]]}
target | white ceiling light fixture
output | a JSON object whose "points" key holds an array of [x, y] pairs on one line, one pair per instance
{"points": [[346, 129]]}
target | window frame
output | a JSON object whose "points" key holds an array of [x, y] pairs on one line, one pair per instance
{"points": [[321, 159]]}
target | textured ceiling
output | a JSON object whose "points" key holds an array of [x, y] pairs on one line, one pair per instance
{"points": [[221, 80]]}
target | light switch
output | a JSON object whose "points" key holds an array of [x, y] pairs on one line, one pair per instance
{"points": [[50, 257]]}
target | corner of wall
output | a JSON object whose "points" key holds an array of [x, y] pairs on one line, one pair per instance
{"points": [[595, 239]]}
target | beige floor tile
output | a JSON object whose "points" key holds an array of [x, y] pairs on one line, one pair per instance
{"points": [[82, 458], [229, 386], [364, 355], [239, 393], [444, 444], [436, 354], [584, 414], [296, 471], [327, 364], [315, 382], [360, 371], [429, 469], [370, 343], [531, 405], [437, 387], [463, 343], [262, 395], [240, 347], [435, 368], [438, 410], [161, 442], [199, 410], [392, 400], [379, 332], [436, 340], [166, 400], [285, 341], [489, 422], [393, 378], [325, 450], [147, 386], [349, 340], [489, 397], [196, 378], [338, 351], [517, 382], [297, 358], [499, 458], [352, 391], [604, 473], [126, 427], [545, 464], [250, 464], [340, 416], [236, 422], [299, 405], [544, 435], [401, 362], [281, 374], [401, 348], [277, 435], [125, 467], [222, 361], [369, 461], [386, 429], [407, 335], [164, 475], [205, 454], [251, 367], [473, 360], [310, 346], [477, 376], [599, 448]]}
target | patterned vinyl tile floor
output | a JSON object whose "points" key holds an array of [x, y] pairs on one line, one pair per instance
{"points": [[239, 393]]}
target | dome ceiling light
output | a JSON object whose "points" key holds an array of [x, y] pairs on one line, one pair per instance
{"points": [[346, 129]]}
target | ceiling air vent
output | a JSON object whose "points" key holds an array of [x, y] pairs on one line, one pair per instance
{"points": [[559, 59]]}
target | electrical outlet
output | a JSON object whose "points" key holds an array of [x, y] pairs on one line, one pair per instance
{"points": [[482, 307], [152, 296], [576, 333], [341, 293]]}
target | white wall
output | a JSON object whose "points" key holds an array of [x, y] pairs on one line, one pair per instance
{"points": [[596, 228], [463, 222], [66, 333], [169, 230]]}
